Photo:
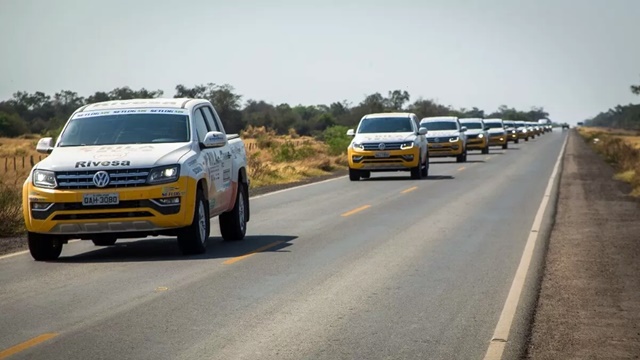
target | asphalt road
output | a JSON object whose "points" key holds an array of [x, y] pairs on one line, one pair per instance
{"points": [[378, 269]]}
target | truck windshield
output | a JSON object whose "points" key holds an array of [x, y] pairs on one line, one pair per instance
{"points": [[440, 125], [385, 124], [472, 125], [494, 125], [126, 129]]}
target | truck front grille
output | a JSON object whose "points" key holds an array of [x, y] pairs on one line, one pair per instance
{"points": [[387, 146], [118, 178]]}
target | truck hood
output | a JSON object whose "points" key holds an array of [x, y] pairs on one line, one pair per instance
{"points": [[386, 137], [442, 133], [474, 131], [113, 157], [497, 131]]}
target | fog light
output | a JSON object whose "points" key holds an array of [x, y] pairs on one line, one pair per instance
{"points": [[501, 139], [454, 147], [40, 206], [408, 157], [170, 201], [357, 158]]}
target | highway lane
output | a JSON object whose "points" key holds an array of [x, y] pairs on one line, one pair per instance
{"points": [[389, 267]]}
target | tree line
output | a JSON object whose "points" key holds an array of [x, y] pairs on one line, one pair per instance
{"points": [[620, 117], [40, 113]]}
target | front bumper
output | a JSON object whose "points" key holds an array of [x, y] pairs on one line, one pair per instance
{"points": [[140, 209], [383, 160], [496, 140], [445, 149], [512, 136], [477, 144]]}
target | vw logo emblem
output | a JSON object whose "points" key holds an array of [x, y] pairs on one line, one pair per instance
{"points": [[101, 179], [381, 146], [436, 139]]}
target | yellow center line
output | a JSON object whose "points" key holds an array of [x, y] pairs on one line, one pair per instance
{"points": [[242, 257], [27, 344], [349, 213], [461, 168], [409, 189]]}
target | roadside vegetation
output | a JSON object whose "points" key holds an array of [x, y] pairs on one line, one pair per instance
{"points": [[615, 134], [284, 143]]}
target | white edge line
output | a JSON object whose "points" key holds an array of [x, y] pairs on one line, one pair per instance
{"points": [[253, 197], [297, 187], [503, 327]]}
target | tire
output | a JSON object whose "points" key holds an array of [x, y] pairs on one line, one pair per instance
{"points": [[233, 224], [505, 146], [485, 150], [193, 238], [104, 240], [416, 172], [43, 247], [425, 169], [517, 141], [365, 174], [462, 157], [354, 175], [526, 139]]}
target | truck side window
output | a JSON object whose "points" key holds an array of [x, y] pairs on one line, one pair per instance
{"points": [[201, 125], [211, 121]]}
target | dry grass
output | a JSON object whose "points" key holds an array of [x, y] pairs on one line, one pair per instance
{"points": [[271, 160], [621, 148]]}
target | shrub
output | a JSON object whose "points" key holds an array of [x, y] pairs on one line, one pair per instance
{"points": [[11, 222], [337, 140], [288, 152]]}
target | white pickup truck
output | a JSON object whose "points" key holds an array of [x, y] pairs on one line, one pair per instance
{"points": [[137, 168]]}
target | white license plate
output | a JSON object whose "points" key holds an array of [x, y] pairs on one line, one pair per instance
{"points": [[382, 154], [100, 199], [436, 145]]}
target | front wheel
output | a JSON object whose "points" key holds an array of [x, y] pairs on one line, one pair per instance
{"points": [[425, 169], [517, 141], [505, 146], [233, 224], [43, 247], [354, 175], [193, 238], [416, 172], [485, 150]]}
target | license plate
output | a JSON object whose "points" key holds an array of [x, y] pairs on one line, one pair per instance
{"points": [[382, 154], [436, 145], [100, 199]]}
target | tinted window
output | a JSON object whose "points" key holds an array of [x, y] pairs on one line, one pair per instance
{"points": [[126, 129], [493, 125], [387, 124], [472, 125], [211, 121], [201, 126], [440, 125]]}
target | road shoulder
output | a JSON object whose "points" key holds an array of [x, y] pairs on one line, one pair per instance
{"points": [[589, 300]]}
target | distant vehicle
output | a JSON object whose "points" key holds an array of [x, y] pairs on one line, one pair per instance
{"points": [[580, 123], [477, 134], [136, 168], [546, 125], [388, 142], [521, 128], [446, 137], [497, 132], [565, 126], [512, 132]]}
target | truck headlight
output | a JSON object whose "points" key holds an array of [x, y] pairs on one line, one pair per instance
{"points": [[165, 174], [45, 179], [406, 145], [358, 146], [454, 139], [480, 136]]}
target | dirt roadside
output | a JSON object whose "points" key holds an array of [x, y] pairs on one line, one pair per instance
{"points": [[589, 301], [14, 244]]}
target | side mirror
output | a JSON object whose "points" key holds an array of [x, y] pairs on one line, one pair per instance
{"points": [[214, 139], [463, 129], [486, 128], [351, 132], [423, 131], [45, 145]]}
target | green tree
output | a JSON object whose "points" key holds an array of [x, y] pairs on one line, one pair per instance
{"points": [[11, 125]]}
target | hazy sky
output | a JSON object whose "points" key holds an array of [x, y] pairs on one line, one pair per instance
{"points": [[574, 57]]}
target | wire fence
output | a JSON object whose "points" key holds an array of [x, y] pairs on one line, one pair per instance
{"points": [[15, 163]]}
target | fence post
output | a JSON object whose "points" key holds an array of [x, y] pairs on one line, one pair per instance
{"points": [[31, 160], [23, 162], [15, 166], [6, 164]]}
